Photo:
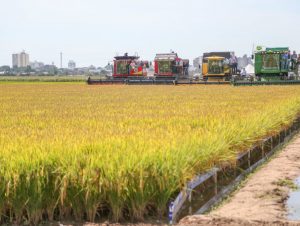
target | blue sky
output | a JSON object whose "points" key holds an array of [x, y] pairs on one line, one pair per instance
{"points": [[93, 31]]}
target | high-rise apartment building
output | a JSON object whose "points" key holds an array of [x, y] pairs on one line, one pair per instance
{"points": [[20, 59]]}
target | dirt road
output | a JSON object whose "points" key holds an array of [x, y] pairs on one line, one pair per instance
{"points": [[261, 200]]}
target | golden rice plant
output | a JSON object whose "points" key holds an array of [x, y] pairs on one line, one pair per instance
{"points": [[72, 151]]}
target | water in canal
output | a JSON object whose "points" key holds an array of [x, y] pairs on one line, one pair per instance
{"points": [[293, 203]]}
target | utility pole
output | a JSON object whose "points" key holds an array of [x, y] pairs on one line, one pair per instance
{"points": [[61, 60]]}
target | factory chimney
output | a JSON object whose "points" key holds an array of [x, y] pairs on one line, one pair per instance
{"points": [[61, 60]]}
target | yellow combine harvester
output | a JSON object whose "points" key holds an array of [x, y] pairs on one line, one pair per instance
{"points": [[215, 66]]}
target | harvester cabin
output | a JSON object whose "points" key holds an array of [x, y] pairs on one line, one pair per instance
{"points": [[215, 66], [170, 65], [126, 66]]}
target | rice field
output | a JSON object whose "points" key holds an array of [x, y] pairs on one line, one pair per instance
{"points": [[44, 78], [72, 151]]}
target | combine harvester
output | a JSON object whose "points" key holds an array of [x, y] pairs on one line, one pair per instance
{"points": [[216, 68], [125, 68], [273, 66], [168, 69]]}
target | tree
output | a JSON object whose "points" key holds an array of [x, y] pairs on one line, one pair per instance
{"points": [[28, 69], [5, 68]]}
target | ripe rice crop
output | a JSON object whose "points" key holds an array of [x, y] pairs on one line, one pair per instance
{"points": [[122, 152]]}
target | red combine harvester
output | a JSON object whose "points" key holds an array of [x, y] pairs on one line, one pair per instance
{"points": [[170, 66], [129, 66], [169, 69]]}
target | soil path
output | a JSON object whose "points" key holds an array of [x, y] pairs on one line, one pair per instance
{"points": [[261, 200]]}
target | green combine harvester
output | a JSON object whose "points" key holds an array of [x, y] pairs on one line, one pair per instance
{"points": [[272, 67]]}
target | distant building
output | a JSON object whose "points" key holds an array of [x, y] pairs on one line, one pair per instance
{"points": [[93, 70], [244, 61], [50, 69], [109, 67], [20, 59], [197, 62], [36, 65], [71, 65], [92, 67]]}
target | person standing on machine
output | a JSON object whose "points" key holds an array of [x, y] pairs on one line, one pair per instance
{"points": [[298, 66], [294, 58], [233, 63]]}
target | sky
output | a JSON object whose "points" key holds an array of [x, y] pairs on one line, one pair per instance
{"points": [[92, 32]]}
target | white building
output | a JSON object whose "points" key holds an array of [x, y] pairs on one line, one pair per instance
{"points": [[197, 63], [36, 65], [244, 61], [71, 65], [20, 59]]}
